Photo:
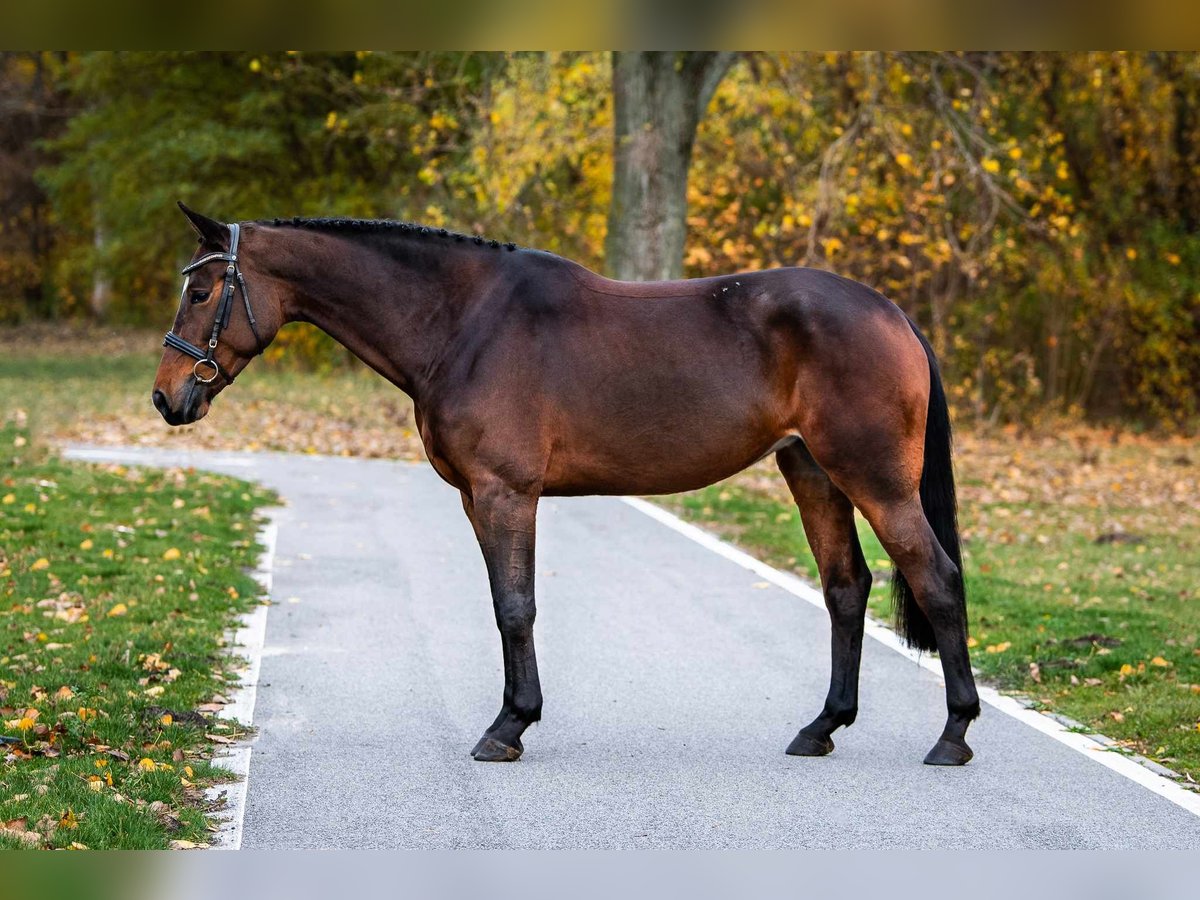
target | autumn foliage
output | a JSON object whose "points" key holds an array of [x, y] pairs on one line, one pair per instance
{"points": [[1034, 212]]}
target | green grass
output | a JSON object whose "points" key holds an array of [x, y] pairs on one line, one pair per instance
{"points": [[1106, 634], [116, 588]]}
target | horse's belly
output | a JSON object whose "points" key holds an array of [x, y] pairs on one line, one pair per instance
{"points": [[659, 460]]}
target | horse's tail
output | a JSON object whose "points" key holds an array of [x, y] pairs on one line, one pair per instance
{"points": [[940, 503]]}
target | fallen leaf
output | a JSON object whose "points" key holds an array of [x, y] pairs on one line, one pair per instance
{"points": [[1159, 661], [119, 610], [146, 764], [218, 739], [31, 838], [171, 553], [40, 564]]}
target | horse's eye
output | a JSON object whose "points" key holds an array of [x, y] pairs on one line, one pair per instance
{"points": [[199, 296]]}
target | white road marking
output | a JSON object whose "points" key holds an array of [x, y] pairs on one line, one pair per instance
{"points": [[247, 643], [1083, 743]]}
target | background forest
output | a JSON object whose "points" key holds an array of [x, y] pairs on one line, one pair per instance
{"points": [[1035, 212]]}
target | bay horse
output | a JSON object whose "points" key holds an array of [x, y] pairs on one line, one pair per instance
{"points": [[531, 376]]}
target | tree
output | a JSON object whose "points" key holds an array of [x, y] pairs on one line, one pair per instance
{"points": [[659, 98]]}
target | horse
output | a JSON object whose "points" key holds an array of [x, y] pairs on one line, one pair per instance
{"points": [[532, 376]]}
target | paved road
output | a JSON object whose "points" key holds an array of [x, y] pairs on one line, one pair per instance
{"points": [[672, 686]]}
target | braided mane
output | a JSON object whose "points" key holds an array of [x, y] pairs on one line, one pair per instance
{"points": [[385, 226]]}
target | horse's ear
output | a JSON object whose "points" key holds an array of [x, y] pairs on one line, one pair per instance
{"points": [[209, 230]]}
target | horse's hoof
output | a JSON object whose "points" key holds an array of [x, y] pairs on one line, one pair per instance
{"points": [[807, 745], [947, 753], [491, 750]]}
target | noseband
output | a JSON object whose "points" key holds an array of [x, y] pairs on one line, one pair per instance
{"points": [[233, 280]]}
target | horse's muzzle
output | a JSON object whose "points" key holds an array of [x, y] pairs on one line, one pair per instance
{"points": [[183, 416]]}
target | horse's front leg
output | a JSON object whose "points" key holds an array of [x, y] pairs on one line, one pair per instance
{"points": [[505, 523]]}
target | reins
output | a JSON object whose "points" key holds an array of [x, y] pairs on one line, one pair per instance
{"points": [[233, 280]]}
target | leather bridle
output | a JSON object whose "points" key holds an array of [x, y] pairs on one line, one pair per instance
{"points": [[233, 280]]}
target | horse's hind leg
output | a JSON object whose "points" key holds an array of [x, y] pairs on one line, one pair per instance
{"points": [[937, 585], [828, 518]]}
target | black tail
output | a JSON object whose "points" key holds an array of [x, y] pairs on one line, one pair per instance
{"points": [[939, 502]]}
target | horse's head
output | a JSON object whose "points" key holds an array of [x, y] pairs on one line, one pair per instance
{"points": [[228, 312]]}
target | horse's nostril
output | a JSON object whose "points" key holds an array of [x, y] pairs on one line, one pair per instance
{"points": [[160, 403]]}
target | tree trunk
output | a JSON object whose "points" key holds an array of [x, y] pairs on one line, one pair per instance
{"points": [[658, 100], [101, 285]]}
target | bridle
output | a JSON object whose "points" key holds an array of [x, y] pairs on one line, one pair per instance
{"points": [[233, 280]]}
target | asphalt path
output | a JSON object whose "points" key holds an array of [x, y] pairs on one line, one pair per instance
{"points": [[673, 680]]}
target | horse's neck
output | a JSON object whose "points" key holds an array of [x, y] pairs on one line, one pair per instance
{"points": [[395, 313]]}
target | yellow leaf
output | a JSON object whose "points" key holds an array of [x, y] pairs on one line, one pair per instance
{"points": [[1160, 662], [96, 783], [972, 642], [9, 498], [904, 159], [1126, 669], [119, 610], [167, 719], [1131, 254], [86, 544], [172, 553], [991, 165], [999, 648], [68, 820], [146, 764], [64, 693], [42, 563]]}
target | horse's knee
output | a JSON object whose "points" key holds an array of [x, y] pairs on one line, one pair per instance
{"points": [[846, 592], [515, 615]]}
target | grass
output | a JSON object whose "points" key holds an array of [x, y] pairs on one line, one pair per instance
{"points": [[1090, 608], [116, 587]]}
